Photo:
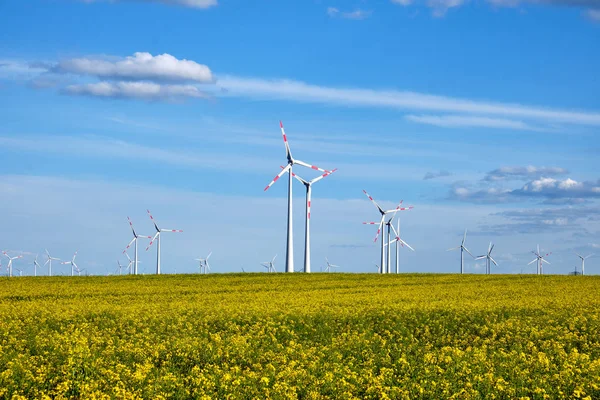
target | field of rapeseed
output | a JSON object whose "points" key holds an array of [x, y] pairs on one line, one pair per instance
{"points": [[317, 336]]}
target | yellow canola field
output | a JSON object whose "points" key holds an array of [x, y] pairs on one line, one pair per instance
{"points": [[319, 336]]}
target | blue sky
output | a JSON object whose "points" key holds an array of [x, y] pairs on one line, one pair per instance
{"points": [[482, 114]]}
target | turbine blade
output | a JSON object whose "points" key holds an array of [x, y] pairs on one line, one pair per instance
{"points": [[547, 262], [454, 248], [309, 166], [464, 237], [327, 173], [152, 241], [171, 230], [153, 221], [129, 245], [283, 171], [288, 152], [494, 261], [406, 244], [532, 262], [373, 201]]}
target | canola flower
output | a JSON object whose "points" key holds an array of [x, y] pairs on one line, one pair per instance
{"points": [[319, 336]]}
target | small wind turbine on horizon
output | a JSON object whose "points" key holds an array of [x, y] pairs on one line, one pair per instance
{"points": [[488, 259], [462, 249], [540, 260], [402, 243], [10, 262], [120, 266], [72, 263], [270, 265], [384, 214], [49, 262], [330, 266], [308, 186], [291, 161], [157, 239], [203, 264], [36, 265], [135, 239], [583, 262]]}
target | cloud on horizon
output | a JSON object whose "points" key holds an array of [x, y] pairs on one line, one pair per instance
{"points": [[356, 14], [523, 173], [183, 3]]}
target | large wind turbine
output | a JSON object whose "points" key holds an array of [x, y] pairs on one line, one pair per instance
{"points": [[330, 266], [381, 222], [583, 262], [289, 257], [540, 259], [488, 258], [49, 262], [308, 186], [157, 238], [462, 249], [402, 243], [10, 262], [73, 264], [135, 239]]}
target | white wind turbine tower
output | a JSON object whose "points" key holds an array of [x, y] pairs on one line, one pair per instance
{"points": [[121, 266], [10, 262], [20, 271], [36, 265], [73, 264], [135, 239], [330, 266], [49, 262], [204, 266], [402, 243], [157, 238], [270, 265], [462, 249], [383, 216], [540, 259], [583, 262], [488, 258], [308, 186], [289, 257]]}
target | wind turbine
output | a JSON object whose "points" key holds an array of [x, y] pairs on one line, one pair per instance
{"points": [[157, 238], [49, 262], [120, 266], [583, 262], [10, 262], [330, 266], [540, 259], [135, 239], [73, 264], [308, 186], [462, 249], [488, 258], [204, 263], [270, 265], [20, 271], [402, 243], [289, 256], [383, 216], [36, 265]]}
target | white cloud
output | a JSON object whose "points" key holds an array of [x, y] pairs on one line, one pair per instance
{"points": [[462, 121], [524, 173], [440, 7], [138, 90], [303, 92], [356, 14], [140, 66], [184, 3], [403, 2], [594, 15]]}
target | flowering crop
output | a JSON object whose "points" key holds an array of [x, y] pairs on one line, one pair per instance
{"points": [[342, 336]]}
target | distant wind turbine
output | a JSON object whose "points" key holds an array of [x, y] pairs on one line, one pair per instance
{"points": [[583, 262], [135, 239], [384, 214], [10, 262], [120, 266], [488, 259], [330, 266], [49, 262], [540, 259], [203, 264], [270, 265], [289, 257], [36, 265], [72, 263], [157, 238], [462, 249], [402, 243]]}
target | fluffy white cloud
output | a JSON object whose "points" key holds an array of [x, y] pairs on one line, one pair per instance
{"points": [[138, 90], [140, 66], [356, 14], [184, 3]]}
